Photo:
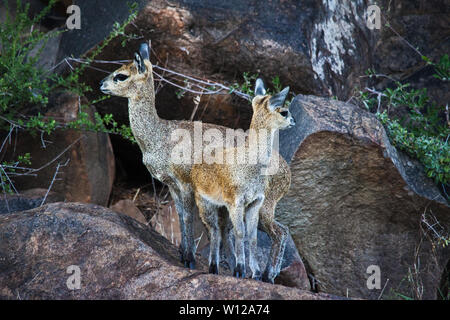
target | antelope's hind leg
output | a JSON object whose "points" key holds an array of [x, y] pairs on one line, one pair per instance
{"points": [[227, 239], [251, 221], [278, 234]]}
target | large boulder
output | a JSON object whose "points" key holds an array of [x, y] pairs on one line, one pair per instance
{"points": [[42, 252], [83, 161], [356, 201]]}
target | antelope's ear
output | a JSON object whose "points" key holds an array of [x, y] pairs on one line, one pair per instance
{"points": [[277, 101], [259, 88], [139, 62], [144, 51]]}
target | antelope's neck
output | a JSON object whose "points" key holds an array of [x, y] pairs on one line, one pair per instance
{"points": [[264, 136], [144, 120]]}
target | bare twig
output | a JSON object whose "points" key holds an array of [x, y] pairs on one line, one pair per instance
{"points": [[204, 86], [434, 226], [156, 196], [406, 41], [57, 157], [9, 180], [379, 95], [197, 241], [381, 293], [4, 192], [221, 88], [54, 179], [196, 104], [12, 126], [136, 194]]}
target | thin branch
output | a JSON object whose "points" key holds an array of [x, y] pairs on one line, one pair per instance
{"points": [[12, 126], [4, 193], [9, 180], [381, 293], [196, 103], [57, 157], [406, 41], [379, 75], [195, 81], [207, 83], [379, 95], [53, 180]]}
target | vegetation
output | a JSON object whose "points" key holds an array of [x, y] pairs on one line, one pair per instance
{"points": [[421, 128], [24, 84], [424, 130], [248, 85]]}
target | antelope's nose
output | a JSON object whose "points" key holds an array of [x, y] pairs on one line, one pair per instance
{"points": [[101, 82]]}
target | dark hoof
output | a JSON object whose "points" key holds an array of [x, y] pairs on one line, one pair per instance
{"points": [[213, 268], [239, 271], [266, 278], [189, 264], [257, 276], [188, 260]]}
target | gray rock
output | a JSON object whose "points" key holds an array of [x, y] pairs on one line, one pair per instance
{"points": [[127, 206], [117, 257], [48, 58], [356, 201]]}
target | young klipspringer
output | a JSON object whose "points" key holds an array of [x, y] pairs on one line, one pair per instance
{"points": [[240, 186]]}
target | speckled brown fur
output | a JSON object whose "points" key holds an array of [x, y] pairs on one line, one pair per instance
{"points": [[240, 187]]}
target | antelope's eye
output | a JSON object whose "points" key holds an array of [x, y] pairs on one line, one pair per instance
{"points": [[120, 77], [284, 113]]}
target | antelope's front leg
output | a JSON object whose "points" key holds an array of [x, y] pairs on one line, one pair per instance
{"points": [[251, 221], [237, 219], [186, 209]]}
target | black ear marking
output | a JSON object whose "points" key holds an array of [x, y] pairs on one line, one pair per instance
{"points": [[144, 51], [139, 63], [260, 90], [278, 99]]}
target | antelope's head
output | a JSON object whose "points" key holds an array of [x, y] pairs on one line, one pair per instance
{"points": [[269, 111], [128, 80]]}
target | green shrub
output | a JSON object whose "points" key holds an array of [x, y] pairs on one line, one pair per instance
{"points": [[423, 133], [248, 86], [21, 82]]}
